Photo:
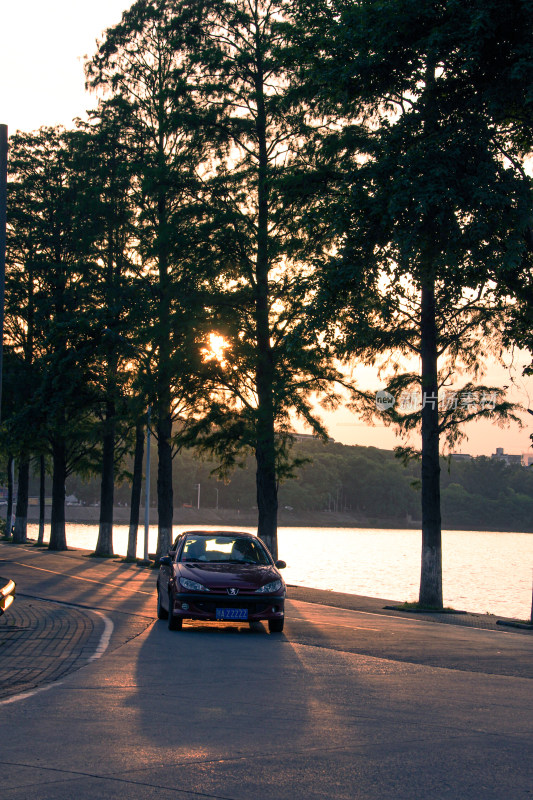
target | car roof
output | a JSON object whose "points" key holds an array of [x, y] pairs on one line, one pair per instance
{"points": [[219, 533]]}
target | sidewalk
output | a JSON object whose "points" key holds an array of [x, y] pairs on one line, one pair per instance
{"points": [[41, 641], [376, 605]]}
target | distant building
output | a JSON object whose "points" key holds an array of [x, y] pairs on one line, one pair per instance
{"points": [[461, 457], [527, 459], [499, 455], [308, 437]]}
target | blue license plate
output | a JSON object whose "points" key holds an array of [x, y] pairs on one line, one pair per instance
{"points": [[232, 613]]}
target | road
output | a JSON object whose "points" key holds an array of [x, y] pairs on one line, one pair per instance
{"points": [[344, 704]]}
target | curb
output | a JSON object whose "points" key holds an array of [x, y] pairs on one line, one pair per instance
{"points": [[424, 610], [525, 626]]}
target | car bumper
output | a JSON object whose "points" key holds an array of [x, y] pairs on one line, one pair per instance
{"points": [[199, 606]]}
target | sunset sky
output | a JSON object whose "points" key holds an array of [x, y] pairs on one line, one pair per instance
{"points": [[42, 45]]}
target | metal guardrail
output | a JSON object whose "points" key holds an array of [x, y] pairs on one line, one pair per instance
{"points": [[7, 595]]}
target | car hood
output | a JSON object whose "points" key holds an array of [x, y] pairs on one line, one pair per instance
{"points": [[246, 577]]}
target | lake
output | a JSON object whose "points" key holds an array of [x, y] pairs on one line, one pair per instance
{"points": [[486, 572]]}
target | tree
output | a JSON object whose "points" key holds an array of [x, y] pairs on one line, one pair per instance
{"points": [[105, 178], [47, 232], [262, 362], [429, 214], [16, 428], [20, 309], [141, 62]]}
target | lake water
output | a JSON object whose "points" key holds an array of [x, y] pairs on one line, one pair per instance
{"points": [[485, 572]]}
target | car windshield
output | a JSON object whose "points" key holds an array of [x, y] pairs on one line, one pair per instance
{"points": [[229, 549]]}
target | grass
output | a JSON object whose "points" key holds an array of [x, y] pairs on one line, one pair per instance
{"points": [[415, 606], [139, 561]]}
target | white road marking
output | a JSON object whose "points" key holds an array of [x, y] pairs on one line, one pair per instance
{"points": [[332, 624], [24, 695], [105, 638]]}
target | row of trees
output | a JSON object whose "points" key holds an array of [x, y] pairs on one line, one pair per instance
{"points": [[264, 189]]}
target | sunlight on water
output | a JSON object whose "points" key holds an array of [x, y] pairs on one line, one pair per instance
{"points": [[484, 572]]}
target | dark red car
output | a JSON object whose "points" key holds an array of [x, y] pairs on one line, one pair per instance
{"points": [[220, 575]]}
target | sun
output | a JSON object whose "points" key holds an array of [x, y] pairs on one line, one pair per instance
{"points": [[215, 350]]}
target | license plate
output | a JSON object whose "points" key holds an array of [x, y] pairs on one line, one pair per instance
{"points": [[232, 613]]}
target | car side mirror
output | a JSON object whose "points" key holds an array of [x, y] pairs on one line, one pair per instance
{"points": [[165, 561], [281, 564]]}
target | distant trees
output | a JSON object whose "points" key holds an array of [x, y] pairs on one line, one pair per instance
{"points": [[366, 484]]}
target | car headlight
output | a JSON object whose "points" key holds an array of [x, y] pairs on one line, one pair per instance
{"points": [[268, 588], [193, 586]]}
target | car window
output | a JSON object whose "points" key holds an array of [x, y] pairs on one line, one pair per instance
{"points": [[230, 549]]}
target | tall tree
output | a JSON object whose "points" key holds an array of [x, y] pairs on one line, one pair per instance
{"points": [[18, 432], [426, 209], [21, 285], [141, 61], [267, 369], [105, 177], [60, 401]]}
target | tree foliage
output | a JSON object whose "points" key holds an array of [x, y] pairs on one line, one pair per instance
{"points": [[262, 188], [431, 217]]}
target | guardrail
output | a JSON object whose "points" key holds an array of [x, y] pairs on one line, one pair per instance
{"points": [[7, 595]]}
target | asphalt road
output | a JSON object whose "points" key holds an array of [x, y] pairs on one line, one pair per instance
{"points": [[344, 704]]}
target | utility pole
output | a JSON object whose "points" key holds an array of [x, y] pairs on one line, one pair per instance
{"points": [[3, 227]]}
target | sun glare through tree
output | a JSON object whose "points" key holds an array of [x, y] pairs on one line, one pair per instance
{"points": [[215, 351]]}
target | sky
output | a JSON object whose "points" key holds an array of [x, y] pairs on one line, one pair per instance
{"points": [[42, 49], [42, 44]]}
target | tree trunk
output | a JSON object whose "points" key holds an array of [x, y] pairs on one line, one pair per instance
{"points": [[42, 494], [104, 545], [21, 513], [9, 509], [165, 495], [265, 451], [58, 540], [267, 496], [431, 570], [165, 498], [136, 487]]}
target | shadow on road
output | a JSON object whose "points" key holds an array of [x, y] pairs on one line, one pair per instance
{"points": [[214, 687]]}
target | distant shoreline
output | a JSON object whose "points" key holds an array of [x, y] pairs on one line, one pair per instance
{"points": [[212, 517]]}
